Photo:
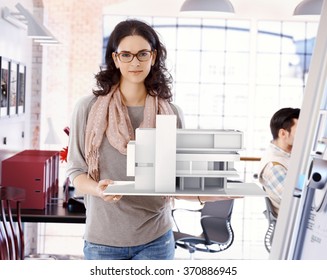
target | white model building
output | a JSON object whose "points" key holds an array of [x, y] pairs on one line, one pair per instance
{"points": [[170, 160]]}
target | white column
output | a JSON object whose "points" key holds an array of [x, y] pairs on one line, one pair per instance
{"points": [[165, 153], [144, 159]]}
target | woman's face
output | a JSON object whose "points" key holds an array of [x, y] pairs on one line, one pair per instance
{"points": [[134, 71]]}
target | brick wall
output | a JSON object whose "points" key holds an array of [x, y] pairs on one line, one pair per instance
{"points": [[68, 68]]}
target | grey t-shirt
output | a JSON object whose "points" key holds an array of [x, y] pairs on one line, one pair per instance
{"points": [[133, 220]]}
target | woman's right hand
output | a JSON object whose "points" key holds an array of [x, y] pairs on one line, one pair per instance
{"points": [[102, 185]]}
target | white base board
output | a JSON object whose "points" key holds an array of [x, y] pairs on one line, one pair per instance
{"points": [[232, 189]]}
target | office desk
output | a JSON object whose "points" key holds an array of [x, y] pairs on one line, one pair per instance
{"points": [[53, 213]]}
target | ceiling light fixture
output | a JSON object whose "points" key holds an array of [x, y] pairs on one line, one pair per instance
{"points": [[35, 29], [308, 7], [222, 6], [14, 18], [25, 20]]}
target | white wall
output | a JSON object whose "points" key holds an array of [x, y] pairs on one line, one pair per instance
{"points": [[15, 45]]}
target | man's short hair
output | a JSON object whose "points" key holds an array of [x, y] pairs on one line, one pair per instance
{"points": [[283, 118]]}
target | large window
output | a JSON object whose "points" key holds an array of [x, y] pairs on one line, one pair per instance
{"points": [[233, 74]]}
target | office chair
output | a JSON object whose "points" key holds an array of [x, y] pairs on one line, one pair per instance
{"points": [[272, 218], [11, 233], [217, 233]]}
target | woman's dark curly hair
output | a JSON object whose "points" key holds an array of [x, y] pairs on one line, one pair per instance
{"points": [[159, 80]]}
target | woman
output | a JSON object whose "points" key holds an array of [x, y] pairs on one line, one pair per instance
{"points": [[134, 87]]}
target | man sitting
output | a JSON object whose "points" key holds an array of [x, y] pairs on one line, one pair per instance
{"points": [[274, 163]]}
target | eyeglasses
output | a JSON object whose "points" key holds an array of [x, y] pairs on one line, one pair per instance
{"points": [[142, 56]]}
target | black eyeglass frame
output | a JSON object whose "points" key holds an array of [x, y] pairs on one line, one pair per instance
{"points": [[118, 54]]}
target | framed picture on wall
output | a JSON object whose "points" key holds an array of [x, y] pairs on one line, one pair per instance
{"points": [[4, 75], [13, 77], [21, 89]]}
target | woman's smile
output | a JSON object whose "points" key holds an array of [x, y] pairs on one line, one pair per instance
{"points": [[135, 72]]}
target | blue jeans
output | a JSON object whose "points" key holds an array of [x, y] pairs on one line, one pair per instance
{"points": [[162, 248]]}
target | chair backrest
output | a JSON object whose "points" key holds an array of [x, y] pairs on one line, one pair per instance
{"points": [[11, 233], [215, 220]]}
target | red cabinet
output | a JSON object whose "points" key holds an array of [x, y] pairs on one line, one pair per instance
{"points": [[36, 171]]}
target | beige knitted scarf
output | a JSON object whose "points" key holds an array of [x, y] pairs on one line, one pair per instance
{"points": [[109, 116]]}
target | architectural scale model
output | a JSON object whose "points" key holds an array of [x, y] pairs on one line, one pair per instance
{"points": [[166, 160]]}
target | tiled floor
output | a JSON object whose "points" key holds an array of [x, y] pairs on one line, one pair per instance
{"points": [[248, 222]]}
